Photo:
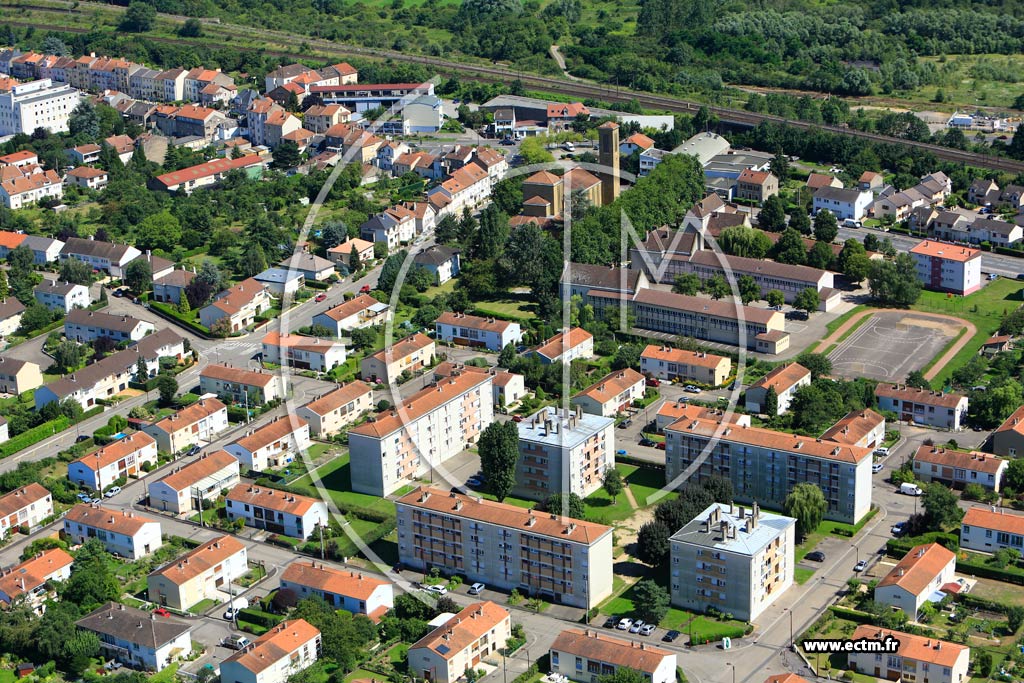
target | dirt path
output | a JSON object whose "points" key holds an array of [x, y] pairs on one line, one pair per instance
{"points": [[940, 363], [560, 60], [630, 497]]}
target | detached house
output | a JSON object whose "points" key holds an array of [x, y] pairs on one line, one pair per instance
{"points": [[27, 506], [786, 380], [122, 532], [205, 573], [273, 445], [360, 311], [253, 387], [105, 256], [239, 305], [11, 311], [934, 408], [18, 376], [473, 330], [31, 580], [918, 577], [276, 656], [351, 591], [126, 457], [62, 296], [341, 255], [670, 364], [307, 353], [566, 347], [138, 638], [756, 186], [1008, 439], [587, 655], [328, 414], [959, 468], [441, 261], [843, 203], [444, 654], [409, 354], [201, 421], [276, 511], [612, 394]]}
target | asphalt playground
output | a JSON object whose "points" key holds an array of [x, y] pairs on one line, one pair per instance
{"points": [[892, 344]]}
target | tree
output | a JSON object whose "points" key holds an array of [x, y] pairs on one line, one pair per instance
{"points": [[807, 504], [5, 289], [818, 364], [613, 483], [772, 216], [532, 151], [748, 288], [686, 283], [141, 371], [780, 166], [499, 453], [820, 256], [627, 356], [1015, 615], [66, 357], [139, 17], [138, 275], [825, 226], [622, 674], [286, 155], [916, 379], [52, 45], [57, 639], [184, 307], [158, 231], [36, 316], [716, 287], [354, 264], [807, 300], [253, 261], [940, 507], [983, 664], [895, 283], [652, 543], [389, 271], [853, 260], [790, 248], [91, 582], [799, 221], [1015, 149], [167, 385], [775, 298], [566, 504], [73, 270], [84, 122], [771, 402], [363, 337], [650, 601], [192, 28], [739, 240], [871, 242], [492, 234], [1014, 476]]}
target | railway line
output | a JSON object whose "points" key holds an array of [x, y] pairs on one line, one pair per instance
{"points": [[495, 74]]}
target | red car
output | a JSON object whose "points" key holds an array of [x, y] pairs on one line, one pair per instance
{"points": [[660, 446], [517, 418], [653, 382], [365, 289], [320, 297], [161, 612]]}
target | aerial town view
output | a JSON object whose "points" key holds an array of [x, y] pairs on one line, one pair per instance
{"points": [[511, 341]]}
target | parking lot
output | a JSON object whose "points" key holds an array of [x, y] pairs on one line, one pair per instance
{"points": [[892, 344]]}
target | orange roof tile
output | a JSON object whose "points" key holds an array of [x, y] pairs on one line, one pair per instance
{"points": [[227, 373], [917, 648], [203, 558], [473, 322], [947, 252], [199, 469], [111, 453], [597, 646], [783, 378], [463, 629], [974, 460], [34, 572], [561, 342], [609, 387], [1014, 423], [404, 347], [271, 432], [696, 358], [275, 645], [272, 499], [189, 415], [21, 498], [918, 568], [854, 426], [334, 399], [422, 402], [11, 240], [351, 307], [319, 576]]}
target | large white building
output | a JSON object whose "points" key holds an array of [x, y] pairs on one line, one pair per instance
{"points": [[37, 104], [122, 532], [987, 531], [844, 203], [567, 560], [304, 353], [947, 267], [355, 592], [474, 330], [276, 511], [276, 656], [275, 444], [420, 433], [461, 643], [85, 326], [736, 560], [563, 452], [923, 406], [926, 658], [959, 468]]}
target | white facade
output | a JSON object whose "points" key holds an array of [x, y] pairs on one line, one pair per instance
{"points": [[37, 104], [932, 660], [987, 531], [843, 203], [276, 656], [276, 511], [122, 532], [27, 506], [916, 578], [352, 591], [62, 297], [947, 267], [586, 656], [202, 479], [274, 445], [119, 460], [87, 326], [150, 649], [474, 330], [563, 452]]}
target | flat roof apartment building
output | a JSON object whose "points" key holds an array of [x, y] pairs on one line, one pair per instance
{"points": [[121, 459], [567, 560], [187, 486], [585, 656], [329, 413], [204, 573], [422, 432], [765, 465], [736, 560], [563, 452]]}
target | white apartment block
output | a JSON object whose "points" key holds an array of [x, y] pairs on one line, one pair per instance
{"points": [[273, 445], [612, 394], [920, 574], [276, 511], [586, 656], [121, 459], [352, 591], [563, 452], [567, 560], [474, 330], [26, 506], [947, 267], [844, 203], [37, 104], [191, 425], [329, 413], [427, 429], [360, 311], [122, 532], [924, 659], [184, 489], [204, 573], [739, 561], [276, 656], [461, 643]]}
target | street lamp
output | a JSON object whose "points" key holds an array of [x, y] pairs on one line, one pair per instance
{"points": [[790, 626], [733, 667]]}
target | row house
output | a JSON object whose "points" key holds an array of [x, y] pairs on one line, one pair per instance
{"points": [[157, 86], [423, 164], [62, 296], [188, 486], [153, 648], [197, 86], [275, 511], [959, 468], [84, 326], [268, 123], [31, 580], [914, 657], [352, 591], [466, 188], [122, 532], [129, 456], [27, 507], [273, 445], [319, 117], [612, 394], [990, 529], [201, 421], [105, 256], [330, 413], [187, 180]]}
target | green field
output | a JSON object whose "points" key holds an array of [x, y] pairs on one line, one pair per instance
{"points": [[337, 479]]}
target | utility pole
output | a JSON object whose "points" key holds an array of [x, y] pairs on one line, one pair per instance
{"points": [[321, 528]]}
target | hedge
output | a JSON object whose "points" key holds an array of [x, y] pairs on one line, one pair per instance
{"points": [[316, 284], [1006, 251], [852, 614], [169, 313], [985, 571], [259, 617], [33, 436], [898, 547], [973, 601]]}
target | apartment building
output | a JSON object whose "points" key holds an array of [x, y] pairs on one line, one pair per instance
{"points": [[765, 465], [106, 256], [276, 656], [669, 364], [188, 180], [126, 457], [916, 578], [111, 375], [585, 656], [567, 560], [736, 560], [563, 452], [426, 429], [923, 406], [920, 658], [406, 355], [473, 330], [204, 573], [184, 489], [201, 421], [304, 353], [253, 387], [138, 638], [947, 267], [1007, 440], [273, 445], [84, 326], [959, 468], [62, 296], [355, 592], [864, 428], [988, 530], [122, 532], [27, 506], [611, 394], [566, 346], [276, 511], [329, 413], [37, 104], [785, 381], [239, 304], [30, 580], [360, 311], [445, 654], [18, 376]]}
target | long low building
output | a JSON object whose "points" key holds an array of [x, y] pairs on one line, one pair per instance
{"points": [[184, 489], [765, 465], [241, 385], [923, 406], [663, 362], [987, 531], [355, 592], [126, 457], [187, 180], [569, 561], [959, 468], [122, 532], [276, 511], [585, 655], [934, 660]]}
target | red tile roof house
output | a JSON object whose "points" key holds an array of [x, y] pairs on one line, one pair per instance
{"points": [[917, 578], [612, 393], [1008, 439], [923, 406], [785, 379], [240, 304], [566, 347], [355, 592], [987, 531], [959, 468]]}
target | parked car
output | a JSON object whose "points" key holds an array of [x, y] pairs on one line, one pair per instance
{"points": [[235, 642], [611, 622], [660, 446], [877, 467], [119, 293], [647, 629], [650, 443], [437, 589], [84, 497], [517, 418], [993, 276], [474, 482], [161, 612], [898, 528], [193, 450], [625, 624], [910, 489], [321, 297], [625, 424], [477, 588], [670, 637], [621, 451], [637, 625], [653, 382], [882, 451], [815, 556], [82, 437], [691, 389], [365, 289], [112, 491], [860, 566]]}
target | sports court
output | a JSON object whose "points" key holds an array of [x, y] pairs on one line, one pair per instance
{"points": [[892, 344]]}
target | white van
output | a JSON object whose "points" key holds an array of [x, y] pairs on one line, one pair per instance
{"points": [[910, 489]]}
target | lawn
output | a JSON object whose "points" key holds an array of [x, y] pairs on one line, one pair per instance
{"points": [[337, 479], [644, 482], [508, 308], [7, 676], [202, 606], [802, 575], [705, 628], [510, 500], [165, 675]]}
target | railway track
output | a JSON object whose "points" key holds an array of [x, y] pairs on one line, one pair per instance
{"points": [[494, 74]]}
